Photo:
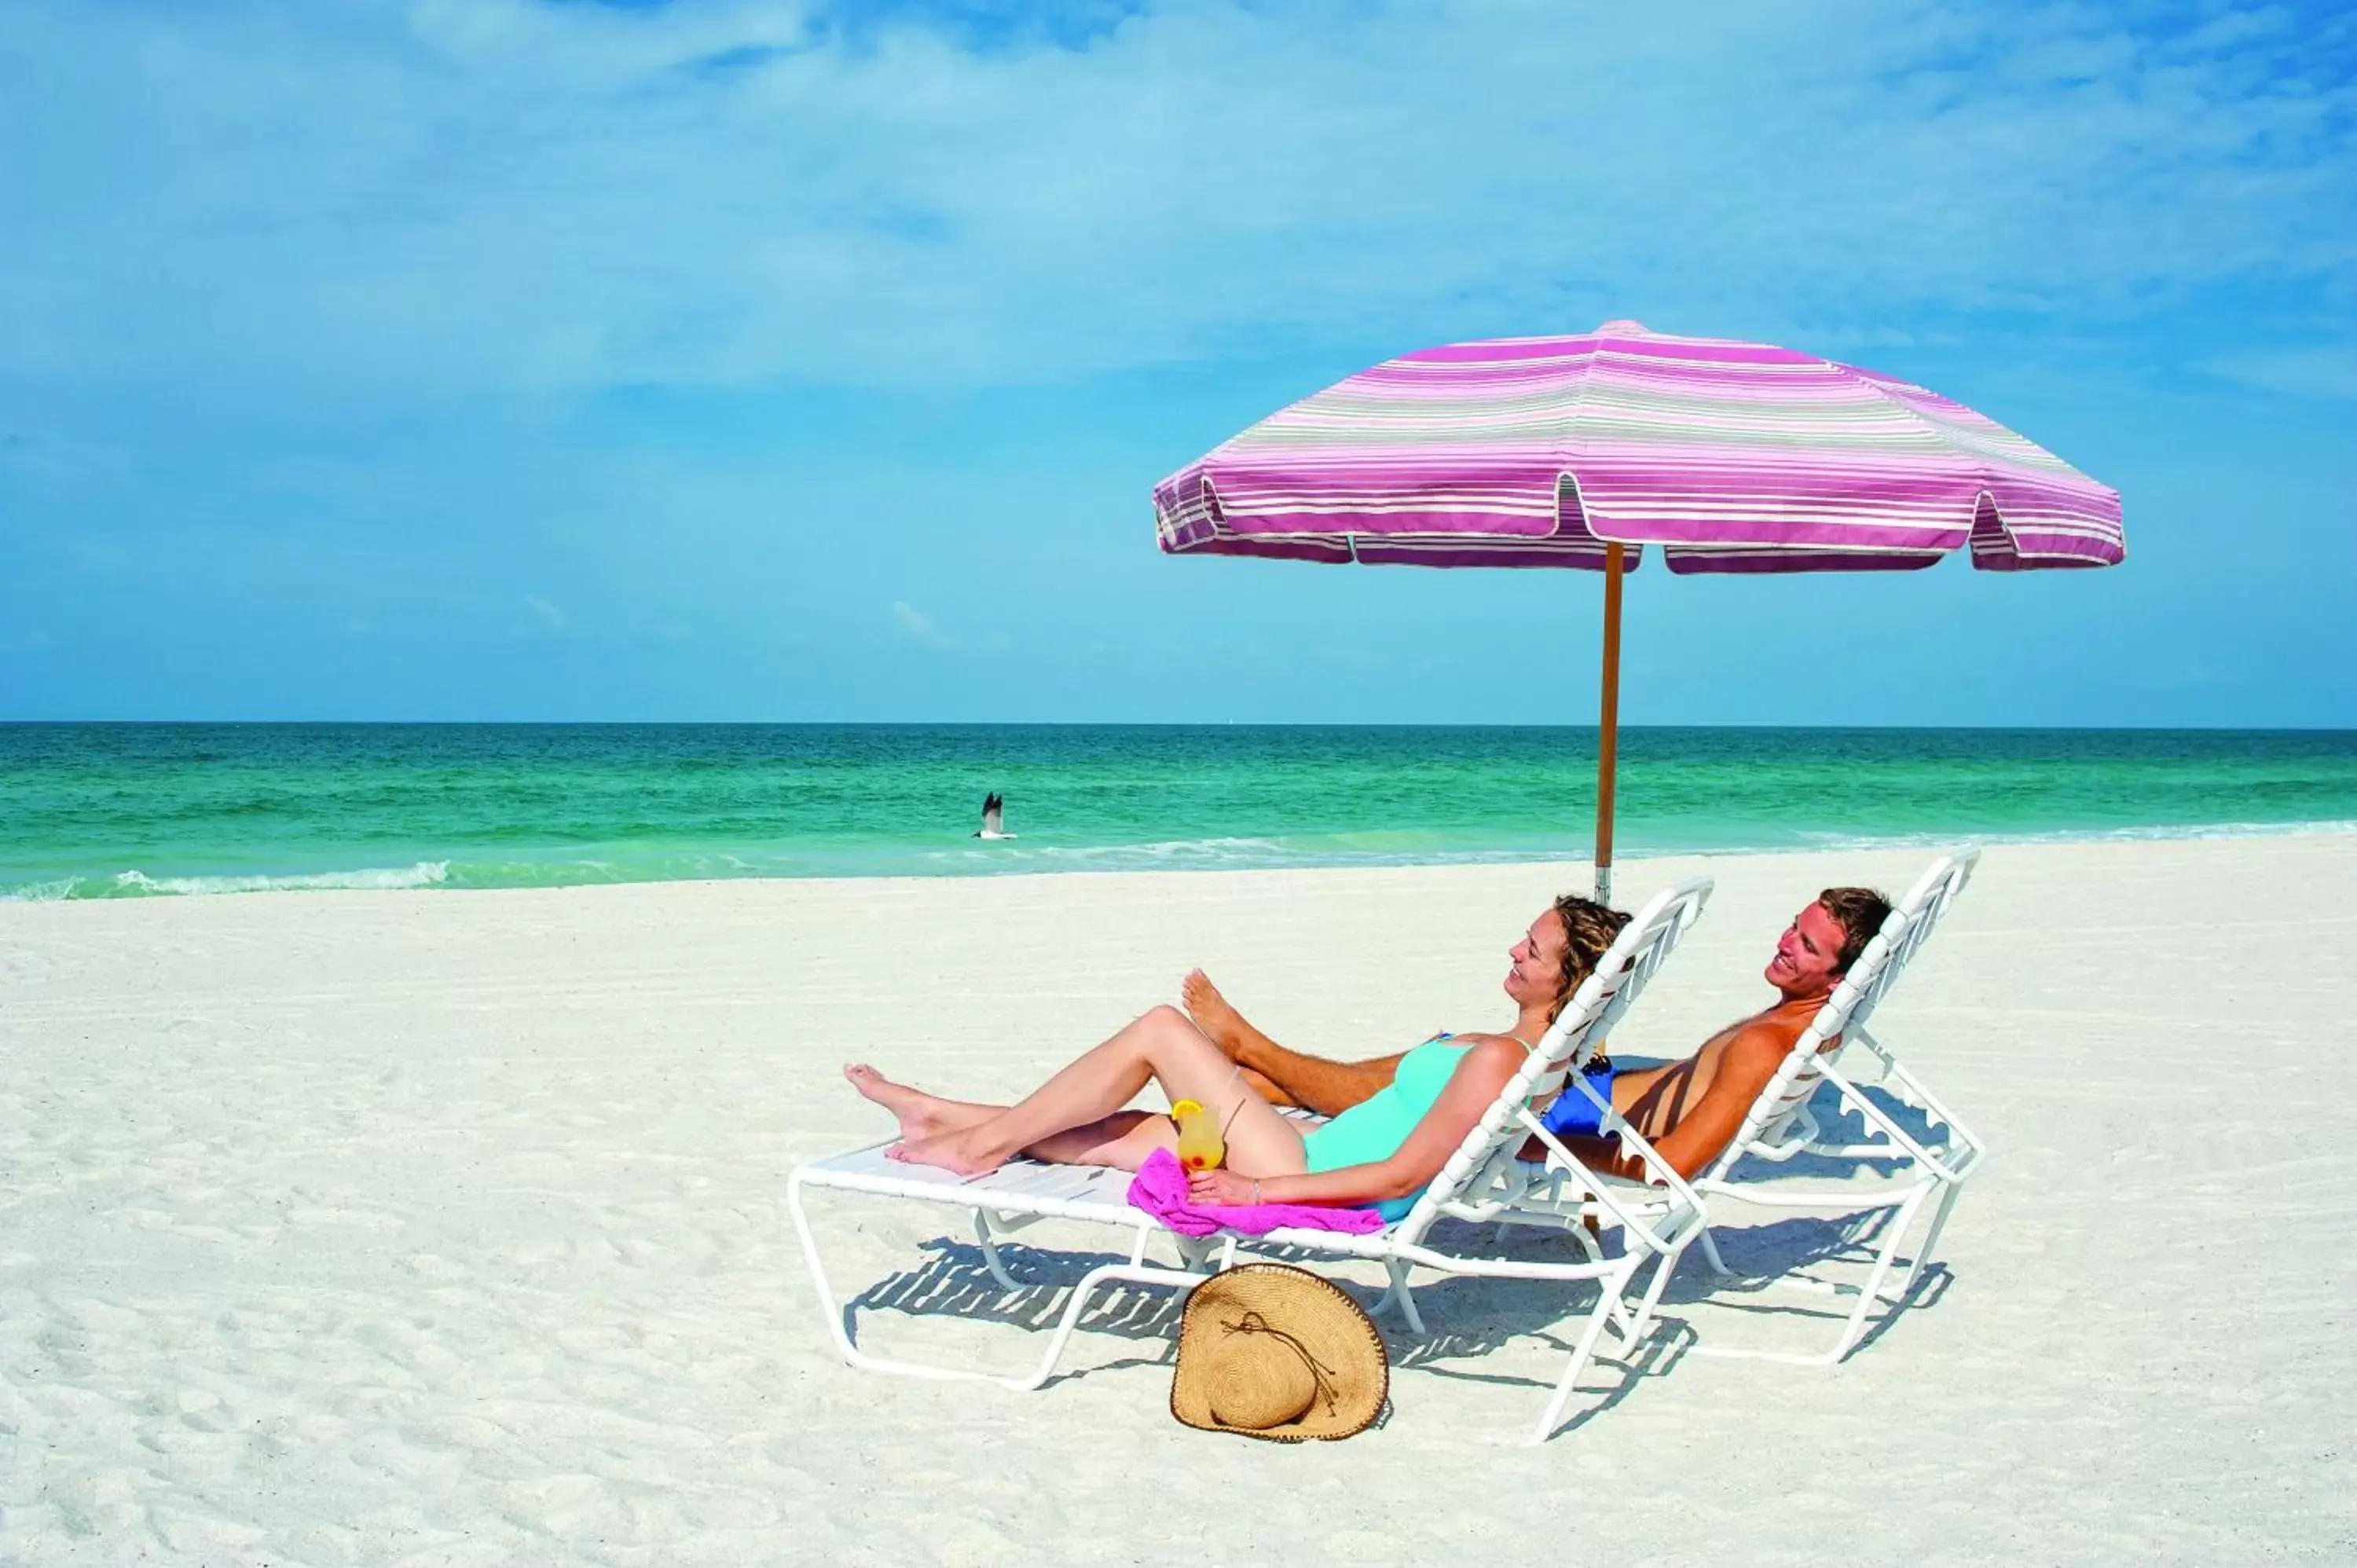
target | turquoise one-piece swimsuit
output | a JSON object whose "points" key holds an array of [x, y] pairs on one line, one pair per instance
{"points": [[1375, 1128]]}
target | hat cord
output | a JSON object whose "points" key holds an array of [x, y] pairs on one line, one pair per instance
{"points": [[1320, 1374]]}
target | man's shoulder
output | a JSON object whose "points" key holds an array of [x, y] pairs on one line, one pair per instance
{"points": [[1767, 1039]]}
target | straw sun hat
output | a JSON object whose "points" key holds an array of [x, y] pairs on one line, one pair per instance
{"points": [[1274, 1352]]}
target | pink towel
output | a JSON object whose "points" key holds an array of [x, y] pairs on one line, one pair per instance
{"points": [[1160, 1189]]}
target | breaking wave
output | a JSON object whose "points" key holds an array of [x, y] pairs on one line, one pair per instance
{"points": [[139, 885]]}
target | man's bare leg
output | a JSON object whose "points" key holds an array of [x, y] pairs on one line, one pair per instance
{"points": [[1314, 1084]]}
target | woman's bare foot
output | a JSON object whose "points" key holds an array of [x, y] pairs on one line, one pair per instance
{"points": [[1211, 1012], [913, 1107], [951, 1151]]}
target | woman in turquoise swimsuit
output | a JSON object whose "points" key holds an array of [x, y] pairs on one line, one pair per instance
{"points": [[1380, 1153]]}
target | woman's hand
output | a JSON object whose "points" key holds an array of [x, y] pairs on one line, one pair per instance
{"points": [[1223, 1189]]}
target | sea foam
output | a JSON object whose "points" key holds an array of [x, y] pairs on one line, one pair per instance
{"points": [[424, 874], [139, 885]]}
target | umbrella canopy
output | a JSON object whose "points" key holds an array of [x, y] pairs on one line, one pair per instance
{"points": [[1581, 451], [1731, 456]]}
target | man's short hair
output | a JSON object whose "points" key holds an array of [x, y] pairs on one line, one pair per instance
{"points": [[1859, 912]]}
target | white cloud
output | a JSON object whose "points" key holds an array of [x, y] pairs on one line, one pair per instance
{"points": [[917, 626], [548, 614], [445, 198]]}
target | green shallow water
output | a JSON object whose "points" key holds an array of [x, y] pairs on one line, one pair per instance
{"points": [[117, 810]]}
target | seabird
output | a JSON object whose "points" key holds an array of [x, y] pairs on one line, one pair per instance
{"points": [[994, 818]]}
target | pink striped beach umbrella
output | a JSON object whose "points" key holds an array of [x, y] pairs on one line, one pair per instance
{"points": [[1582, 451]]}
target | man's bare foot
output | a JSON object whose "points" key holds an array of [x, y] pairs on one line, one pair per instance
{"points": [[913, 1107], [1211, 1012], [953, 1151]]}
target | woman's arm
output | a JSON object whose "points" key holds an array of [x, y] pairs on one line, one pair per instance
{"points": [[1471, 1089]]}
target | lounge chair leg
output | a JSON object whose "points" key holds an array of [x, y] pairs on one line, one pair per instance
{"points": [[1136, 1270], [990, 1258], [1870, 1295], [1633, 1330], [1408, 1314], [1931, 1239], [1396, 1294], [1610, 1290], [837, 1330], [1710, 1255]]}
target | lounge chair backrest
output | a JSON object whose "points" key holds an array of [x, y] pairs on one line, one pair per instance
{"points": [[1904, 931], [1620, 975], [1903, 934]]}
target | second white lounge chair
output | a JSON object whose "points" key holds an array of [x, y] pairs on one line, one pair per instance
{"points": [[1925, 1166]]}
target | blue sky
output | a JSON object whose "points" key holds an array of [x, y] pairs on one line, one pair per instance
{"points": [[510, 358]]}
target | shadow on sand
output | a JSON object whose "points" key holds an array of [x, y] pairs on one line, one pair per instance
{"points": [[1469, 1319], [954, 1282]]}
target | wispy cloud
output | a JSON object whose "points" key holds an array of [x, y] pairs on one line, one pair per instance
{"points": [[549, 616], [436, 198], [917, 626]]}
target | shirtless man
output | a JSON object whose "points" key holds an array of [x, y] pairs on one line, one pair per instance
{"points": [[1688, 1110]]}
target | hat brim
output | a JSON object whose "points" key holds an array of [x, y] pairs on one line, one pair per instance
{"points": [[1328, 1325]]}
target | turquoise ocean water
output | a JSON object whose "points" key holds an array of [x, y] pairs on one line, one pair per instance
{"points": [[117, 810]]}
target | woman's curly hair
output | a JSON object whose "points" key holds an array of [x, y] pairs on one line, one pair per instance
{"points": [[1591, 927]]}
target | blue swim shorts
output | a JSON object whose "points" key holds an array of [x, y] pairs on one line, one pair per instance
{"points": [[1574, 1115]]}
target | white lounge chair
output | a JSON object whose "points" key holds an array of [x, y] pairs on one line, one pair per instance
{"points": [[1926, 1167], [1482, 1181]]}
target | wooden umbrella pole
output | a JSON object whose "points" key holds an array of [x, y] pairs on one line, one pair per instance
{"points": [[1609, 735]]}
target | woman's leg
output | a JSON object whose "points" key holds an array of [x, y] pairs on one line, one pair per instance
{"points": [[1162, 1046], [920, 1115], [1267, 1089], [1122, 1139]]}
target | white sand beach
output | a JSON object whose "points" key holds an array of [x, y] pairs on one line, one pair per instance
{"points": [[436, 1227]]}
